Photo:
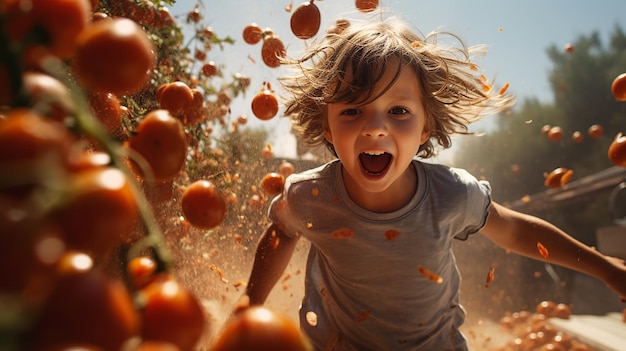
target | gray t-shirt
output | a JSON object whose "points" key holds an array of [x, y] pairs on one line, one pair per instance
{"points": [[382, 281]]}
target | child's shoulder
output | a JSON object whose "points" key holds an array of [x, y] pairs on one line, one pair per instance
{"points": [[444, 173]]}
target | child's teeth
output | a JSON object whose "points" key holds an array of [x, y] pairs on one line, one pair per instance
{"points": [[375, 153]]}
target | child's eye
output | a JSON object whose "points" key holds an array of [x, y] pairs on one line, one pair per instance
{"points": [[350, 112], [398, 110]]}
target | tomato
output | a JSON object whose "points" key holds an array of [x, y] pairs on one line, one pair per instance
{"points": [[160, 140], [618, 87], [273, 183], [286, 168], [563, 311], [87, 308], [171, 313], [555, 133], [259, 328], [366, 5], [595, 131], [82, 160], [203, 205], [28, 142], [174, 97], [99, 211], [141, 271], [48, 94], [558, 177], [114, 56], [107, 109], [305, 20], [194, 112], [61, 22], [617, 150], [577, 137], [569, 48], [265, 104], [272, 50], [252, 33], [209, 69], [545, 129], [546, 308]]}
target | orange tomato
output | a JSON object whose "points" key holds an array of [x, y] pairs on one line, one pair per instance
{"points": [[107, 109], [555, 133], [99, 212], [87, 308], [160, 140], [273, 183], [272, 50], [171, 313], [305, 20], [203, 205], [141, 271], [618, 87], [595, 131], [175, 97], [577, 137], [617, 150], [114, 56], [286, 168], [265, 105], [252, 33], [49, 94], [60, 22], [261, 329], [366, 5], [558, 177]]}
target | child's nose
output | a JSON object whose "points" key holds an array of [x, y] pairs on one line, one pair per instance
{"points": [[375, 126]]}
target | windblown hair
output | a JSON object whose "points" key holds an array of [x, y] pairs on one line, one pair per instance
{"points": [[345, 65]]}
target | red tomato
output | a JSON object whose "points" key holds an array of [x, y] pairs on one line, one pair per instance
{"points": [[209, 69], [60, 20], [171, 313], [577, 137], [99, 212], [160, 140], [265, 105], [555, 133], [141, 271], [273, 49], [252, 33], [595, 131], [87, 308], [203, 205], [617, 150], [366, 5], [261, 329], [107, 109], [618, 87], [273, 183], [114, 56], [175, 97], [558, 177], [305, 20]]}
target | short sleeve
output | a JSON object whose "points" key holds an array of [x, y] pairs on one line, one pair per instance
{"points": [[476, 207]]}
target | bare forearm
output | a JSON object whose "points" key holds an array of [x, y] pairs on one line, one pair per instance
{"points": [[273, 253]]}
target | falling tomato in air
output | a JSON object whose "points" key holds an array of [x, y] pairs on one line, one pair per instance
{"points": [[595, 131], [558, 177], [569, 48], [577, 137], [617, 150], [273, 49], [273, 183], [203, 204], [618, 87], [265, 104], [305, 20], [252, 33], [555, 133], [366, 5]]}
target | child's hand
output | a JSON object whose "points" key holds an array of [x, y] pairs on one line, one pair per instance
{"points": [[617, 279]]}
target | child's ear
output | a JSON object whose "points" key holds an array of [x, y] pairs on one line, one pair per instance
{"points": [[425, 135], [327, 134]]}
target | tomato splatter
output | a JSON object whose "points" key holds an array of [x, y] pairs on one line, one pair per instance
{"points": [[430, 274], [491, 275], [342, 233], [391, 234], [543, 251]]}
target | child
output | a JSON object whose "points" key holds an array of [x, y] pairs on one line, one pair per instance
{"points": [[379, 96]]}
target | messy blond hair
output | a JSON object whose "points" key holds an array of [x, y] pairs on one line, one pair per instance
{"points": [[347, 62]]}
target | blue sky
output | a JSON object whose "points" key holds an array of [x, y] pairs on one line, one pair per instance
{"points": [[517, 33]]}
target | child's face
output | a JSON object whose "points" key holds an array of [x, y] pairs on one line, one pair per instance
{"points": [[377, 141]]}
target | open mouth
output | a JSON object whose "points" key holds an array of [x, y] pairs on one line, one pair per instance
{"points": [[375, 163]]}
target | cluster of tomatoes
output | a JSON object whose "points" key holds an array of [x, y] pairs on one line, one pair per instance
{"points": [[559, 177], [532, 331], [74, 170]]}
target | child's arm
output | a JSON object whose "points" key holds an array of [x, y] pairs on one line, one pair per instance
{"points": [[273, 253], [524, 234]]}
